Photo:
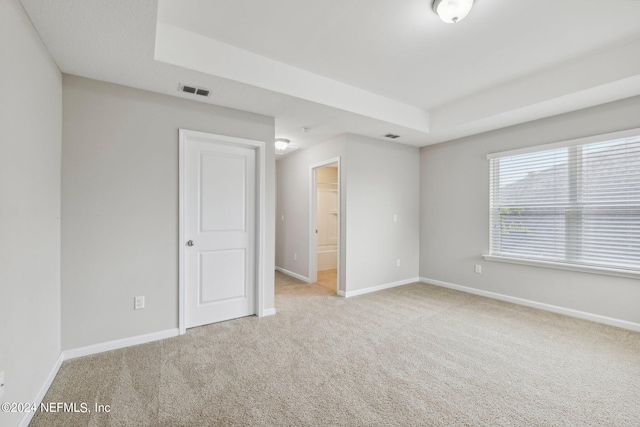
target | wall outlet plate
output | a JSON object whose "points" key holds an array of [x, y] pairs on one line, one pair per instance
{"points": [[478, 269], [138, 303]]}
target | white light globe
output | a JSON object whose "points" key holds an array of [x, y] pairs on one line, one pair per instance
{"points": [[281, 144], [452, 11]]}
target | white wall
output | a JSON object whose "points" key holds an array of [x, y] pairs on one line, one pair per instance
{"points": [[120, 205], [30, 119], [378, 179], [455, 217]]}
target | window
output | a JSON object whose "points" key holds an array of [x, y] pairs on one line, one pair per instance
{"points": [[575, 203]]}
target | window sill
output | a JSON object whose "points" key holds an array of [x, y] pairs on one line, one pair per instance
{"points": [[562, 266]]}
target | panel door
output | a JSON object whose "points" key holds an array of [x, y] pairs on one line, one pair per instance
{"points": [[220, 193]]}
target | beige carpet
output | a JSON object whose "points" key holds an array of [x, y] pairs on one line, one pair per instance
{"points": [[415, 355]]}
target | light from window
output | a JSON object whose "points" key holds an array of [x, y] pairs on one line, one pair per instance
{"points": [[571, 204]]}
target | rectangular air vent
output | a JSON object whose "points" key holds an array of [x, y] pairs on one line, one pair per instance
{"points": [[392, 136], [194, 90]]}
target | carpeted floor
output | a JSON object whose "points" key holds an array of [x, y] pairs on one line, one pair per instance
{"points": [[415, 355]]}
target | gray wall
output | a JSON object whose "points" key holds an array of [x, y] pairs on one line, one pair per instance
{"points": [[378, 179], [383, 180], [30, 119], [293, 183], [455, 216], [120, 205]]}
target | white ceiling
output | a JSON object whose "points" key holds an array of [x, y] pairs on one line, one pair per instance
{"points": [[401, 50], [369, 67]]}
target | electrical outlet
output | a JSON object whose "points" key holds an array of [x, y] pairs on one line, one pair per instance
{"points": [[295, 257], [282, 218], [1, 383], [398, 262], [395, 218], [138, 303], [478, 269]]}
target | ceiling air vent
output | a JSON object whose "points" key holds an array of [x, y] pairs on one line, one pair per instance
{"points": [[392, 136], [195, 90]]}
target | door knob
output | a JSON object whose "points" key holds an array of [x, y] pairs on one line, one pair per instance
{"points": [[190, 243]]}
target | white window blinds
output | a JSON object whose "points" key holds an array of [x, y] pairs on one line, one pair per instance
{"points": [[571, 204]]}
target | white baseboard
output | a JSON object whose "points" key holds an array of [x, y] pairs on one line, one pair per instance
{"points": [[121, 343], [350, 294], [539, 305], [26, 419], [294, 275], [268, 312], [89, 350]]}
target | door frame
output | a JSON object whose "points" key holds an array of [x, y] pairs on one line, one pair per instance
{"points": [[313, 214], [260, 217]]}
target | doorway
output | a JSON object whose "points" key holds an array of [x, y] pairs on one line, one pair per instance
{"points": [[220, 211], [324, 253]]}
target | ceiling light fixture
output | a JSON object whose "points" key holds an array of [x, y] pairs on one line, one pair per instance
{"points": [[452, 11], [282, 144]]}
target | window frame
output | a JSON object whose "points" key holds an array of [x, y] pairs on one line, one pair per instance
{"points": [[573, 143]]}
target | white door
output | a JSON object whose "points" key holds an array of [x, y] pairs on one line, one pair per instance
{"points": [[327, 217], [219, 230]]}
